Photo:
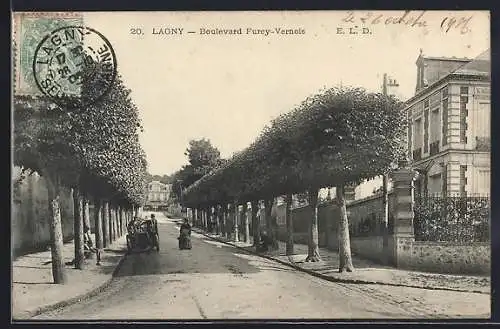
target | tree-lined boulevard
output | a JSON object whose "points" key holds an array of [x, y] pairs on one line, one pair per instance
{"points": [[215, 281]]}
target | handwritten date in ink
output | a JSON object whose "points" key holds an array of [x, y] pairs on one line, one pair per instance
{"points": [[407, 18], [456, 23], [410, 19]]}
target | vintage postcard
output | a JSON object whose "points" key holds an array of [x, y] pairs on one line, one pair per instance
{"points": [[280, 165]]}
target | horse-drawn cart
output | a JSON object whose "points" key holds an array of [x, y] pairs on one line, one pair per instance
{"points": [[143, 235]]}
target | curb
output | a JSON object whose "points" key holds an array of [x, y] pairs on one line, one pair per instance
{"points": [[73, 300], [337, 280]]}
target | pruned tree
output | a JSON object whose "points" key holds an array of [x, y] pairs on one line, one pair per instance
{"points": [[42, 143], [334, 138], [94, 150]]}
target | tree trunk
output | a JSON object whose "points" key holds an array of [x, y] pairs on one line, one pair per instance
{"points": [[110, 212], [56, 234], [255, 223], [124, 221], [223, 210], [115, 223], [217, 221], [270, 223], [313, 250], [105, 224], [120, 219], [289, 225], [274, 232], [86, 214], [345, 259], [86, 220], [246, 223], [209, 219], [78, 260], [230, 219], [98, 227], [220, 219], [385, 221], [236, 218]]}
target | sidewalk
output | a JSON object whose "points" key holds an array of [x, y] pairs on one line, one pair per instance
{"points": [[366, 271], [33, 290]]}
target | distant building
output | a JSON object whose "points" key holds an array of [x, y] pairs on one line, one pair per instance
{"points": [[449, 130], [158, 195]]}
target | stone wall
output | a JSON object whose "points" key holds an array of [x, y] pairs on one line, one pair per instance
{"points": [[403, 252], [371, 247], [30, 226], [444, 257], [300, 218]]}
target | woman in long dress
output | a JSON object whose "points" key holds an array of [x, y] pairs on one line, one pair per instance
{"points": [[185, 235]]}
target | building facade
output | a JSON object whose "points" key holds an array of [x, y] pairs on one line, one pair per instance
{"points": [[449, 125], [158, 195]]}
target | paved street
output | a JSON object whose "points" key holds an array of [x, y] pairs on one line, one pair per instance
{"points": [[215, 281]]}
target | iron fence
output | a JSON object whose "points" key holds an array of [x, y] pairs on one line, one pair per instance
{"points": [[462, 219]]}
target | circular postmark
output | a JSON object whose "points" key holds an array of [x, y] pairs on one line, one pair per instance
{"points": [[74, 66]]}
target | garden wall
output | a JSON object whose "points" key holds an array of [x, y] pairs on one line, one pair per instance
{"points": [[30, 225], [366, 235], [444, 257]]}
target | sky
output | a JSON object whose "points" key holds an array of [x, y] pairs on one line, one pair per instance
{"points": [[228, 87]]}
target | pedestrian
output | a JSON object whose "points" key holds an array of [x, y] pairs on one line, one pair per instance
{"points": [[88, 244], [155, 222]]}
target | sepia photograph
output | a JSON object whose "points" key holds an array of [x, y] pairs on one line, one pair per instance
{"points": [[250, 165]]}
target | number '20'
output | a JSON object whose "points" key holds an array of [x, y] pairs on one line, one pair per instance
{"points": [[136, 31]]}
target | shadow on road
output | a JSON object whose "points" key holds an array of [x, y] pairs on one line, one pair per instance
{"points": [[206, 257], [196, 260]]}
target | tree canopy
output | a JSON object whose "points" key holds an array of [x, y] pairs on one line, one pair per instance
{"points": [[95, 148], [203, 158], [338, 136]]}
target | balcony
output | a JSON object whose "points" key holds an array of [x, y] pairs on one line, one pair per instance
{"points": [[434, 148], [483, 144], [417, 154]]}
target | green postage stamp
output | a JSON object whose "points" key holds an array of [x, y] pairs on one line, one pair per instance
{"points": [[29, 29], [59, 57]]}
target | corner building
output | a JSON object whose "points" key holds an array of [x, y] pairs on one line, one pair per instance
{"points": [[449, 126]]}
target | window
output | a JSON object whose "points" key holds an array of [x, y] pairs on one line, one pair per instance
{"points": [[482, 185], [426, 128], [464, 99], [434, 131], [444, 114], [444, 180], [417, 134], [409, 139], [417, 140], [434, 184], [463, 180], [482, 126], [445, 92]]}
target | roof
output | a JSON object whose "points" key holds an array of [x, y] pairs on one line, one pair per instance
{"points": [[455, 59], [479, 67]]}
